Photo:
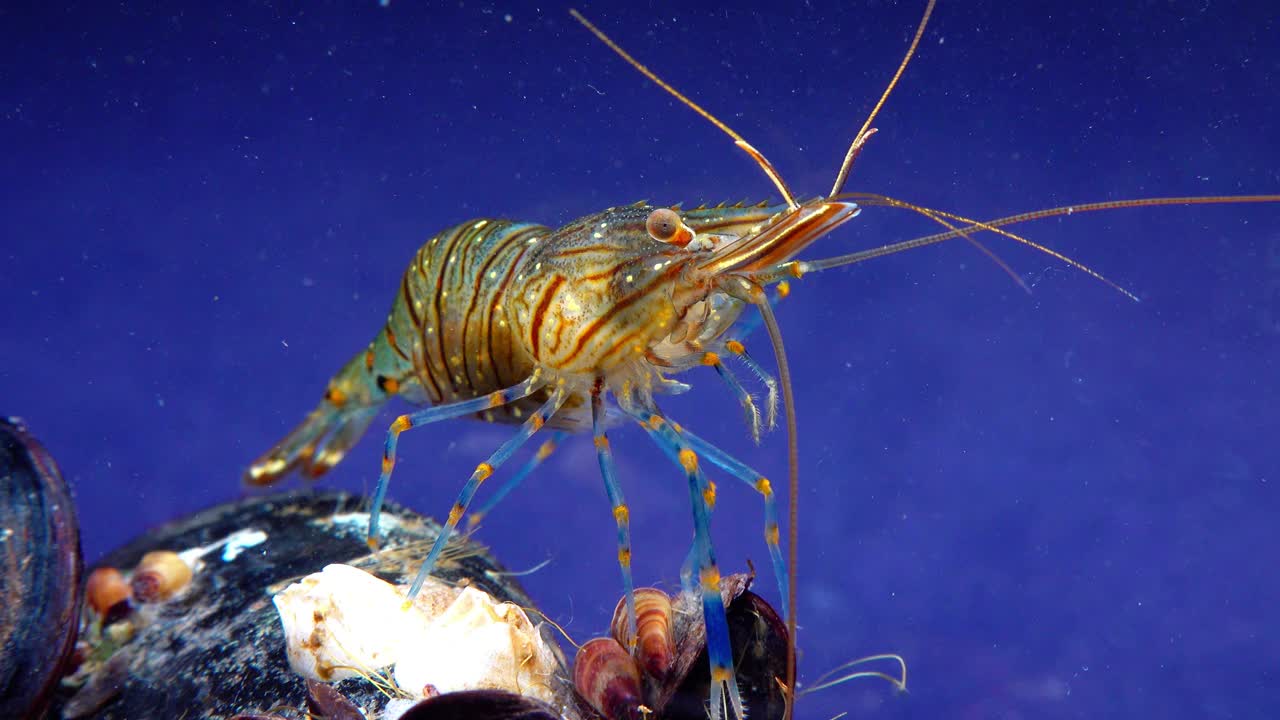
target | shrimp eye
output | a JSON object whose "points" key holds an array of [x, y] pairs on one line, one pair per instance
{"points": [[664, 225]]}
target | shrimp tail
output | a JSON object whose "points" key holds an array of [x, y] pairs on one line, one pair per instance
{"points": [[323, 438]]}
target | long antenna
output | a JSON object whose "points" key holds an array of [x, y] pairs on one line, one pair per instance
{"points": [[861, 138], [793, 472], [738, 140], [807, 266]]}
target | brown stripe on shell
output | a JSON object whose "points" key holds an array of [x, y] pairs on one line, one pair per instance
{"points": [[540, 313], [655, 639], [619, 306], [608, 678]]}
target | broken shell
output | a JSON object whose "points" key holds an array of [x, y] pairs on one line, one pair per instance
{"points": [[40, 568], [342, 622], [609, 679], [159, 576], [493, 645], [655, 646], [106, 588]]}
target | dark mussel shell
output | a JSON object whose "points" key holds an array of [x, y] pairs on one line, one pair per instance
{"points": [[481, 705], [758, 636], [216, 649], [40, 569]]}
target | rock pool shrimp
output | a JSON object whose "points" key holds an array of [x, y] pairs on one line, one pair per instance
{"points": [[517, 323]]}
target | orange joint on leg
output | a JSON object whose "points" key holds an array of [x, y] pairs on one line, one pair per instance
{"points": [[765, 487], [401, 424], [483, 471], [624, 557], [735, 347], [771, 534], [655, 422], [496, 400], [721, 675], [547, 448], [689, 459], [536, 422], [795, 270], [621, 514], [709, 496], [784, 289], [455, 513], [387, 465], [710, 359], [601, 442], [710, 578]]}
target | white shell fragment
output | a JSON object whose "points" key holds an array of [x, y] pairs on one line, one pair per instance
{"points": [[343, 622], [480, 643]]}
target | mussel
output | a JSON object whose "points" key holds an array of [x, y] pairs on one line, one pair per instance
{"points": [[668, 679], [40, 570]]}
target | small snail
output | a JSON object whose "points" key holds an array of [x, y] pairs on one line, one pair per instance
{"points": [[107, 592], [159, 576]]}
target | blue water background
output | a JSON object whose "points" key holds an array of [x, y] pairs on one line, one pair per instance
{"points": [[1054, 505]]}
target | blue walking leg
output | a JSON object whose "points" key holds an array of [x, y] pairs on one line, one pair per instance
{"points": [[544, 452], [770, 382], [747, 402], [702, 498], [430, 415], [481, 473], [760, 484], [621, 514]]}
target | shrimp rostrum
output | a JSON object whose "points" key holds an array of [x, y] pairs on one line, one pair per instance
{"points": [[550, 329]]}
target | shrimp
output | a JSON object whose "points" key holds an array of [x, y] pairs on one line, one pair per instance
{"points": [[514, 322]]}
